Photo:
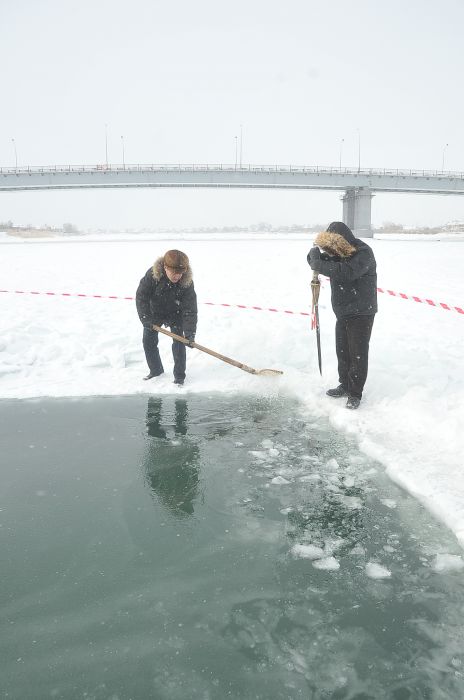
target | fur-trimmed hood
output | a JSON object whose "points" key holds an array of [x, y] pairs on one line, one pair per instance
{"points": [[158, 272], [334, 244], [338, 240]]}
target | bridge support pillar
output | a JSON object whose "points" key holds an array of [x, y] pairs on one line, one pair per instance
{"points": [[357, 211]]}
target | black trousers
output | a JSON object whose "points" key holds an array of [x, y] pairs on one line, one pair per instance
{"points": [[352, 337], [150, 346]]}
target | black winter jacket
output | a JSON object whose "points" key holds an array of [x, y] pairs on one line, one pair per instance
{"points": [[351, 266], [159, 301]]}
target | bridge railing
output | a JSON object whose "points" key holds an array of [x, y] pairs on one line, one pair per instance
{"points": [[195, 167]]}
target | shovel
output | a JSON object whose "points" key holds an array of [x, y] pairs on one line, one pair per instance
{"points": [[315, 291], [240, 365]]}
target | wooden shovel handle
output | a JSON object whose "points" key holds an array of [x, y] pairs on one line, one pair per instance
{"points": [[315, 287], [192, 344]]}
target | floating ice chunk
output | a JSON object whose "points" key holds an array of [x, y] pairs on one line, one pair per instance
{"points": [[388, 548], [348, 481], [310, 477], [448, 562], [258, 454], [307, 551], [358, 550], [332, 464], [374, 570], [389, 502], [309, 458], [267, 444], [279, 480], [328, 564], [351, 502], [298, 661], [238, 444], [331, 545], [273, 452]]}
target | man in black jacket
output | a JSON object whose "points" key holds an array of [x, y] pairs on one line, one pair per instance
{"points": [[166, 297], [351, 266]]}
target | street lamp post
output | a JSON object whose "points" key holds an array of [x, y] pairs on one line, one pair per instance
{"points": [[241, 144], [106, 145], [16, 153], [123, 156], [342, 141], [236, 152], [359, 150], [443, 157]]}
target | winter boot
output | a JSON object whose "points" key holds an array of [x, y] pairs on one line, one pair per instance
{"points": [[151, 375], [338, 392], [353, 402]]}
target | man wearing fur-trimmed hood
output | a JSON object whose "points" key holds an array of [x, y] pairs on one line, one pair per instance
{"points": [[351, 266], [166, 297]]}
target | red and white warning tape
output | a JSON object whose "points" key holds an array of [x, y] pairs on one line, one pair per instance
{"points": [[259, 308], [401, 295], [61, 294], [430, 302], [102, 296]]}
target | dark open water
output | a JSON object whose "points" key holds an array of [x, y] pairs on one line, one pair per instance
{"points": [[149, 550]]}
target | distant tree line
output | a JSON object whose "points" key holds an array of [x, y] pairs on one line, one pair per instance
{"points": [[391, 227], [66, 229]]}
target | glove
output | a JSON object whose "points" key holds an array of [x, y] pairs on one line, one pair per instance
{"points": [[314, 253], [190, 337], [314, 257], [147, 323]]}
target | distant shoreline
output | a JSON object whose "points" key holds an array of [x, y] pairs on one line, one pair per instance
{"points": [[38, 237]]}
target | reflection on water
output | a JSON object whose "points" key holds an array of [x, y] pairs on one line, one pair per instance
{"points": [[171, 465], [204, 548]]}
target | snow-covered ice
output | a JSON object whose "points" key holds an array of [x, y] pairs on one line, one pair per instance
{"points": [[448, 562], [327, 563], [307, 551], [374, 570], [412, 415]]}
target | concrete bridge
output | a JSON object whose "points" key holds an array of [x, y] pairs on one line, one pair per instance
{"points": [[358, 185]]}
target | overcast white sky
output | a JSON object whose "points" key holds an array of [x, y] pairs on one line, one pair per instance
{"points": [[176, 79]]}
